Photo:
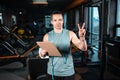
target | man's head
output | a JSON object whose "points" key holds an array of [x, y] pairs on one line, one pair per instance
{"points": [[56, 12], [57, 19]]}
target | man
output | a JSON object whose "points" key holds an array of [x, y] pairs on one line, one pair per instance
{"points": [[61, 68]]}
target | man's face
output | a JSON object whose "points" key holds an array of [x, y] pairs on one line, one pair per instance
{"points": [[57, 21]]}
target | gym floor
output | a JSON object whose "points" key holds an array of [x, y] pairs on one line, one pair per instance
{"points": [[88, 71]]}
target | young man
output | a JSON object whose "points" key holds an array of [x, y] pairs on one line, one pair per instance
{"points": [[62, 68]]}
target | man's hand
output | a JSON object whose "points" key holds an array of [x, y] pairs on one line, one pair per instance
{"points": [[42, 52], [82, 31]]}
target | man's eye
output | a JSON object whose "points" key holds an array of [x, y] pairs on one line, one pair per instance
{"points": [[60, 19]]}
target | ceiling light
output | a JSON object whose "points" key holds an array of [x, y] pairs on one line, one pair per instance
{"points": [[39, 2]]}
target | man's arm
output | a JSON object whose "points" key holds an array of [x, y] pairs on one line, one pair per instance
{"points": [[43, 52], [79, 43], [45, 38]]}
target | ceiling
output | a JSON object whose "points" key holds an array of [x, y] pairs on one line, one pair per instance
{"points": [[39, 11], [27, 3], [29, 7], [35, 11]]}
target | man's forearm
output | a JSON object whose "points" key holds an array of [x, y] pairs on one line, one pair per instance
{"points": [[83, 43]]}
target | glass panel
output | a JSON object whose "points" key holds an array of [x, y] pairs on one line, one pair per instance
{"points": [[94, 26], [1, 20], [13, 19], [95, 20], [47, 21], [90, 24], [118, 12]]}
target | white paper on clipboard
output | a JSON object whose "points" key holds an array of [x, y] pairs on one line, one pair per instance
{"points": [[50, 48]]}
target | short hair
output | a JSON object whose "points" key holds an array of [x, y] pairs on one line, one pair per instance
{"points": [[56, 12]]}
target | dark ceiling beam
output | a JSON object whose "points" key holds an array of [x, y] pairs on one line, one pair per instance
{"points": [[75, 3]]}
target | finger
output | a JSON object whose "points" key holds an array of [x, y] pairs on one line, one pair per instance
{"points": [[83, 26], [78, 26]]}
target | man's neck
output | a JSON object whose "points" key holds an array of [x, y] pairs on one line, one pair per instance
{"points": [[58, 30]]}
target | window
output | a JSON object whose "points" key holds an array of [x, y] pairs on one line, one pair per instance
{"points": [[47, 21], [117, 30], [13, 19], [1, 18], [65, 20], [118, 12], [93, 29]]}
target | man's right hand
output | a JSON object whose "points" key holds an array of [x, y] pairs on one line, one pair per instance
{"points": [[42, 52]]}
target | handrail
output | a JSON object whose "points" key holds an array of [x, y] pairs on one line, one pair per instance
{"points": [[7, 57], [27, 52]]}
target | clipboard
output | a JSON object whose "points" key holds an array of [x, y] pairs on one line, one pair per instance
{"points": [[50, 48]]}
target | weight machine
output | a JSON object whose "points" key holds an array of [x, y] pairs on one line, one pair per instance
{"points": [[15, 45]]}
